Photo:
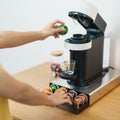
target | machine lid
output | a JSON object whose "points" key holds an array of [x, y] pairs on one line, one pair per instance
{"points": [[87, 22]]}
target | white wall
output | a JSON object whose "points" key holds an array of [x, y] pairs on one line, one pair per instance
{"points": [[23, 15]]}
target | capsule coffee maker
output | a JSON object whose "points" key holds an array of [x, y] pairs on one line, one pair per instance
{"points": [[90, 81]]}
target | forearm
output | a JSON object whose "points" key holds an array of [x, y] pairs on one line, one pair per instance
{"points": [[13, 38], [21, 92], [31, 96], [26, 94]]}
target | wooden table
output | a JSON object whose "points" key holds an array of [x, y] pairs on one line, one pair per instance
{"points": [[107, 108]]}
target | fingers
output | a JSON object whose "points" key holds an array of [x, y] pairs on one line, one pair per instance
{"points": [[52, 29], [65, 98], [59, 30], [56, 35], [68, 101], [56, 28], [57, 21]]}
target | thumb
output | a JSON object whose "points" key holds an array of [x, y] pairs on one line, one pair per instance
{"points": [[57, 30]]}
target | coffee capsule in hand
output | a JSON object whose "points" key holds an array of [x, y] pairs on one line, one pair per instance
{"points": [[65, 29]]}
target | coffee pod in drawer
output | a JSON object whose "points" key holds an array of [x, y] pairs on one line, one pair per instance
{"points": [[54, 87], [72, 94], [61, 90], [84, 97], [78, 101], [47, 91]]}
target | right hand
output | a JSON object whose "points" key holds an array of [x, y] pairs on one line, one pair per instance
{"points": [[52, 29], [59, 98]]}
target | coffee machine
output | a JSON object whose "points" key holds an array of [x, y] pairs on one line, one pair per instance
{"points": [[90, 81]]}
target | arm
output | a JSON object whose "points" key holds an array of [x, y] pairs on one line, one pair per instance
{"points": [[14, 38], [26, 94]]}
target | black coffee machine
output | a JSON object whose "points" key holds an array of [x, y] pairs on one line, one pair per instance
{"points": [[90, 80], [86, 50]]}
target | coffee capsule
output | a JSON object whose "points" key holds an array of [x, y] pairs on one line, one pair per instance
{"points": [[61, 90], [65, 29], [84, 97], [47, 91], [56, 69], [78, 101], [81, 99], [54, 87], [72, 94], [53, 66]]}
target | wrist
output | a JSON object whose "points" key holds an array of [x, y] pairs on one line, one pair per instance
{"points": [[42, 35], [49, 101]]}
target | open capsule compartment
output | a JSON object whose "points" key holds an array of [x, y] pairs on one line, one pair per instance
{"points": [[80, 100]]}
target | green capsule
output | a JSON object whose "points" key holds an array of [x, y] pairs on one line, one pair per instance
{"points": [[65, 29], [54, 87]]}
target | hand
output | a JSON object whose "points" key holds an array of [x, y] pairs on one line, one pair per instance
{"points": [[59, 98], [52, 29]]}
